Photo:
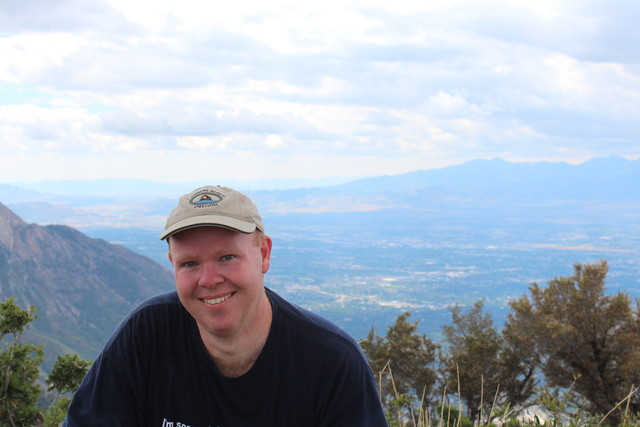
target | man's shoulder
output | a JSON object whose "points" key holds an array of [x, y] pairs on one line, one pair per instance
{"points": [[310, 327], [169, 299], [158, 311], [156, 305]]}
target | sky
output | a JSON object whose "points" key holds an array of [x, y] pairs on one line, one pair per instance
{"points": [[249, 90]]}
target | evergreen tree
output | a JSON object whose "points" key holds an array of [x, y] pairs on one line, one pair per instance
{"points": [[403, 360], [19, 373], [18, 367], [485, 368], [66, 375], [520, 363], [472, 365], [586, 339]]}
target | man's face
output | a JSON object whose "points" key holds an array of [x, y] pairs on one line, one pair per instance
{"points": [[219, 278]]}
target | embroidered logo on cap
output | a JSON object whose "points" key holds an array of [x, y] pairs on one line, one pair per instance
{"points": [[205, 198]]}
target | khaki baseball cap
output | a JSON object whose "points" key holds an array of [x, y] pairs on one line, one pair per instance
{"points": [[214, 206]]}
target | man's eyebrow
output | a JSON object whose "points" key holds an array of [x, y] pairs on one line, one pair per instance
{"points": [[182, 255]]}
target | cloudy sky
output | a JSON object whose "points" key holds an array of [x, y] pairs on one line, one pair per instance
{"points": [[201, 89]]}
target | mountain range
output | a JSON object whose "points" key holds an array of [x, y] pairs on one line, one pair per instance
{"points": [[478, 183]]}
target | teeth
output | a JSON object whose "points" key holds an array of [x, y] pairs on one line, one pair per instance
{"points": [[217, 300]]}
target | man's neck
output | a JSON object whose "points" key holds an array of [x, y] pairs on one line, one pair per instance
{"points": [[235, 355]]}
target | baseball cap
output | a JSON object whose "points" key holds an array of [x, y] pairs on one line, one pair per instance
{"points": [[214, 205]]}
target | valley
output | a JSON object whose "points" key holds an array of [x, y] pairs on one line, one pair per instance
{"points": [[363, 270]]}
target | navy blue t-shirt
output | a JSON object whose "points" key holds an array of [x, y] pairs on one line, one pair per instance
{"points": [[155, 371]]}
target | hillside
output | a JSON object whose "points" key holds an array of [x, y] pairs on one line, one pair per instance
{"points": [[81, 287]]}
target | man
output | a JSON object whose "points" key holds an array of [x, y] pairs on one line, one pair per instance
{"points": [[223, 350]]}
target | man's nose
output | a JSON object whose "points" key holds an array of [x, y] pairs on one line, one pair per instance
{"points": [[211, 275]]}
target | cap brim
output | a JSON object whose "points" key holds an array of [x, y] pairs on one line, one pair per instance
{"points": [[210, 220]]}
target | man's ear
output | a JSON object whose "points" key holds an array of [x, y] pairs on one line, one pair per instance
{"points": [[265, 251]]}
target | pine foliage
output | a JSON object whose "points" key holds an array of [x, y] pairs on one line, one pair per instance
{"points": [[568, 347], [20, 373]]}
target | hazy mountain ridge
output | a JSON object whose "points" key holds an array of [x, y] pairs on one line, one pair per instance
{"points": [[81, 287], [478, 183], [598, 178], [475, 184]]}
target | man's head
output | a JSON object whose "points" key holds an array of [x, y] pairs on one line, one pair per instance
{"points": [[219, 255], [214, 206]]}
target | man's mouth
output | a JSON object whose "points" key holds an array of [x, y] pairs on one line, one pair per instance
{"points": [[218, 300]]}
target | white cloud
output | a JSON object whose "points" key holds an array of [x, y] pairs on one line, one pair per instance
{"points": [[275, 142], [200, 142], [338, 88], [29, 55]]}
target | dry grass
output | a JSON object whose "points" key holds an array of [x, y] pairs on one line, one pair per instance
{"points": [[407, 412]]}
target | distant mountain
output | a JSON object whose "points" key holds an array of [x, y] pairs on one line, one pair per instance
{"points": [[478, 184], [81, 287], [122, 187], [598, 178]]}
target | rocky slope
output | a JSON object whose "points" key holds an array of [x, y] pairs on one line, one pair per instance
{"points": [[81, 287]]}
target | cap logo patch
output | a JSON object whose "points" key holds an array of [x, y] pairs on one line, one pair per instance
{"points": [[206, 198]]}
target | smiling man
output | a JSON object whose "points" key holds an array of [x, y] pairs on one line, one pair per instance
{"points": [[224, 350]]}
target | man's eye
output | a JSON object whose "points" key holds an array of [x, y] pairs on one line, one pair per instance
{"points": [[228, 257], [189, 264]]}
